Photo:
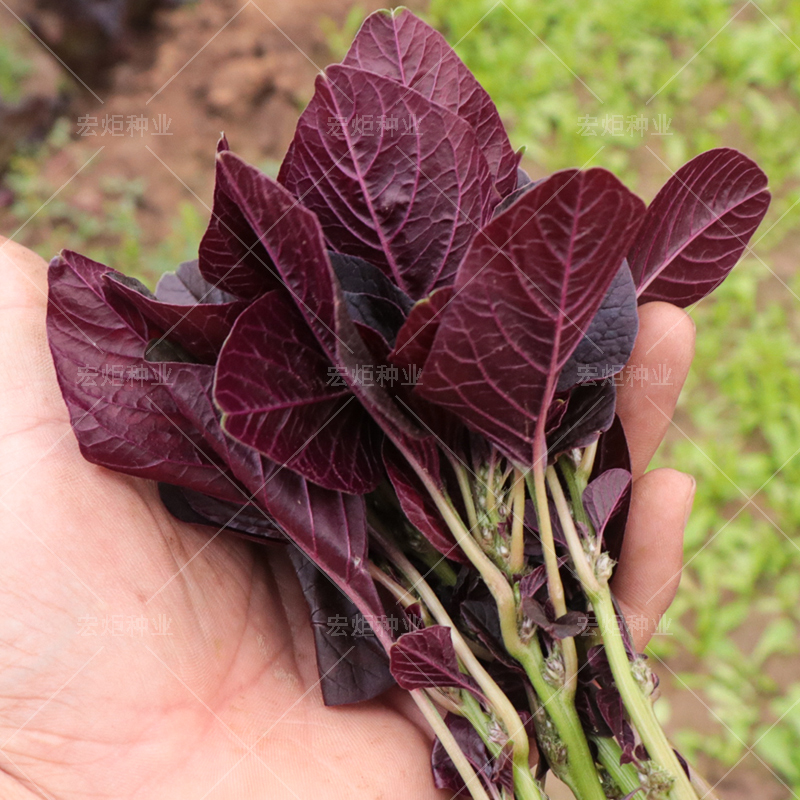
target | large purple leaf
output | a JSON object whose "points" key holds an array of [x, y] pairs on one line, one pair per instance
{"points": [[279, 394], [402, 47], [607, 346], [121, 405], [408, 201], [231, 256], [329, 527], [352, 664], [697, 227], [426, 659], [298, 251], [525, 294], [200, 328]]}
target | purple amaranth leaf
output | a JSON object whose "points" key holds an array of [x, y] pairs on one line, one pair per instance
{"points": [[186, 286], [697, 227], [415, 338], [245, 519], [612, 453], [352, 664], [373, 301], [426, 659], [604, 495], [400, 46], [607, 346], [298, 251], [567, 625], [415, 500], [410, 204], [279, 394], [121, 406], [589, 412], [231, 256], [525, 294], [200, 328], [329, 527], [445, 774]]}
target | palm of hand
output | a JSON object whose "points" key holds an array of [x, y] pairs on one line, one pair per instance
{"points": [[224, 700]]}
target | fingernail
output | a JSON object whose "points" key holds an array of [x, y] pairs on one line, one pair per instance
{"points": [[690, 499]]}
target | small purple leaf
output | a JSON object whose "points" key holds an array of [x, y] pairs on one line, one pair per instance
{"points": [[187, 286], [604, 495], [427, 659]]}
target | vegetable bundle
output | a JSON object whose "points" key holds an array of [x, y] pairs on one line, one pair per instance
{"points": [[399, 358]]}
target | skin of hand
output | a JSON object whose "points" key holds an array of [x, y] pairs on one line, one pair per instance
{"points": [[218, 698]]}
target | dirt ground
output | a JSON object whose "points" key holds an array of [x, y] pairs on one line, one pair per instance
{"points": [[247, 69]]}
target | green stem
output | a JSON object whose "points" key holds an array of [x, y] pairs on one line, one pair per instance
{"points": [[516, 557], [524, 783], [580, 764], [466, 492], [638, 705], [624, 775], [554, 585], [434, 719], [636, 702]]}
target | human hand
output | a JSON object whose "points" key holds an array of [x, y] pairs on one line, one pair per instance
{"points": [[226, 703]]}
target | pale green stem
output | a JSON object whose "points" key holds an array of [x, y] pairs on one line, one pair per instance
{"points": [[554, 585], [466, 492], [624, 775], [524, 782], [584, 469], [434, 719], [516, 558], [638, 705]]}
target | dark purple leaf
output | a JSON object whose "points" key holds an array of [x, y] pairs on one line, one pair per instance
{"points": [[400, 46], [604, 496], [408, 202], [612, 453], [200, 328], [607, 346], [352, 664], [372, 299], [415, 500], [415, 338], [121, 406], [525, 294], [567, 625], [445, 774], [246, 519], [186, 286], [427, 659], [697, 227], [279, 394], [329, 527], [231, 256], [298, 251], [589, 412]]}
